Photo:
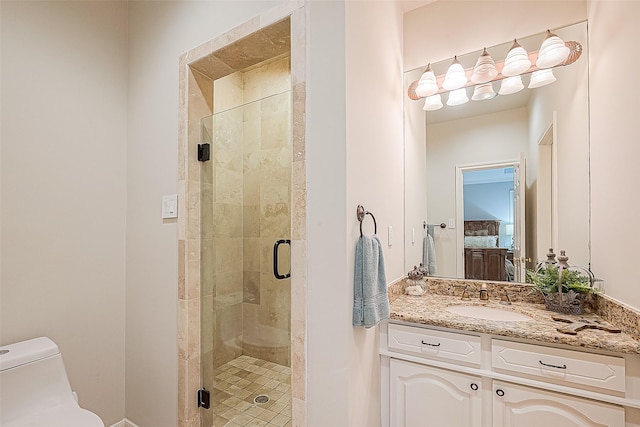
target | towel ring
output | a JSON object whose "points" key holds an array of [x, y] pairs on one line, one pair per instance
{"points": [[360, 213], [441, 225]]}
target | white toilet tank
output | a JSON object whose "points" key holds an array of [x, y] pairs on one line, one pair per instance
{"points": [[34, 389]]}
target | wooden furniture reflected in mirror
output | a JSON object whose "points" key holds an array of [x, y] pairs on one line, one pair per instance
{"points": [[483, 258]]}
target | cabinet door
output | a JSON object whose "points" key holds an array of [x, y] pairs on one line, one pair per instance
{"points": [[494, 264], [519, 406], [423, 396], [473, 263]]}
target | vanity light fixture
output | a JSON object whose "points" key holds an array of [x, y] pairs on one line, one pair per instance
{"points": [[432, 103], [457, 97], [511, 85], [517, 61], [427, 85], [483, 92], [485, 69], [541, 78], [552, 52], [455, 77]]}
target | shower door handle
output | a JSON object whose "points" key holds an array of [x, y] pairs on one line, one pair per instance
{"points": [[275, 259]]}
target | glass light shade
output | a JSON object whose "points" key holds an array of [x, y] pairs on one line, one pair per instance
{"points": [[511, 85], [552, 52], [432, 103], [427, 85], [541, 78], [455, 77], [483, 92], [516, 62], [485, 69], [457, 97]]}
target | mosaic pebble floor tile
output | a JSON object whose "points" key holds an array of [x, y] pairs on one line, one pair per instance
{"points": [[240, 381]]}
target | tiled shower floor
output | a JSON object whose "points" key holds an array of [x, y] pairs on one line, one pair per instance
{"points": [[236, 385]]}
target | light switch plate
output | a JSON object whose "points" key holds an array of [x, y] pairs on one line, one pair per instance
{"points": [[170, 206]]}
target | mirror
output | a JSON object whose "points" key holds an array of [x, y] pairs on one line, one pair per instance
{"points": [[515, 167]]}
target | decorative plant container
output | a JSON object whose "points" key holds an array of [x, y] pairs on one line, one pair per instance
{"points": [[577, 284]]}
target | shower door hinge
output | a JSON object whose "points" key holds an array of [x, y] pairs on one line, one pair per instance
{"points": [[204, 152], [204, 398]]}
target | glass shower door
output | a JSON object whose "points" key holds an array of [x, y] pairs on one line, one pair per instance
{"points": [[246, 209]]}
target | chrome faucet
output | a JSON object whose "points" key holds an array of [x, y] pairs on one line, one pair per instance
{"points": [[484, 294], [465, 294]]}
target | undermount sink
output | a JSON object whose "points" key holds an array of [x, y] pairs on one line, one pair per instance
{"points": [[488, 313]]}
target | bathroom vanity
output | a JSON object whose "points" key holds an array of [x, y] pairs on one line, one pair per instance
{"points": [[476, 369]]}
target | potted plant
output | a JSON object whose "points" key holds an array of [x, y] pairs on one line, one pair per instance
{"points": [[576, 286]]}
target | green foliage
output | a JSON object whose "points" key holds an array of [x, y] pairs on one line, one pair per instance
{"points": [[546, 280]]}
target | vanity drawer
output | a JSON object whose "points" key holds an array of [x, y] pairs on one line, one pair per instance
{"points": [[435, 344], [565, 366]]}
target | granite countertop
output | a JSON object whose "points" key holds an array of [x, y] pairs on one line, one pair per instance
{"points": [[430, 309]]}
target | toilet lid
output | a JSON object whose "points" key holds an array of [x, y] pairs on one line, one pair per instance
{"points": [[58, 416]]}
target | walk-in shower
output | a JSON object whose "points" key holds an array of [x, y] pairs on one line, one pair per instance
{"points": [[245, 209]]}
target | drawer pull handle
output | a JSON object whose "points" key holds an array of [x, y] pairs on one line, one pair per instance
{"points": [[500, 392], [474, 386], [431, 345], [552, 366]]}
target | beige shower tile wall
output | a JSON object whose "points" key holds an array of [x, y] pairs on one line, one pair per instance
{"points": [[247, 209], [268, 79], [298, 223], [193, 105], [225, 225], [267, 210]]}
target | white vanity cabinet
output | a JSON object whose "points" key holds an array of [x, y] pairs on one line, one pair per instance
{"points": [[519, 406], [437, 377], [426, 396]]}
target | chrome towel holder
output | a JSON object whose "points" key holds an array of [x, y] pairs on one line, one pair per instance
{"points": [[360, 213], [441, 225]]}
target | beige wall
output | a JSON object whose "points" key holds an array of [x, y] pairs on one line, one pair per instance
{"points": [[375, 177], [64, 123], [613, 33], [328, 306]]}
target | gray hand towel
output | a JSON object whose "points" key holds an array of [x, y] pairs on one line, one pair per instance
{"points": [[429, 255], [370, 300]]}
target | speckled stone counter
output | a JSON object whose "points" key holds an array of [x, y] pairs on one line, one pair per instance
{"points": [[430, 309]]}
